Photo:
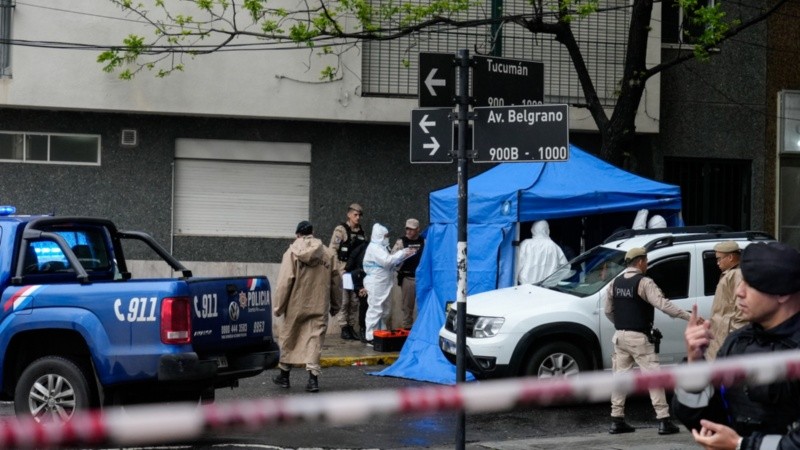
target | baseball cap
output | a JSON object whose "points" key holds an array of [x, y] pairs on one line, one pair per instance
{"points": [[412, 223], [772, 268], [727, 247], [634, 253], [355, 207]]}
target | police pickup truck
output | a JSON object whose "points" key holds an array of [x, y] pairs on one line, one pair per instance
{"points": [[78, 332]]}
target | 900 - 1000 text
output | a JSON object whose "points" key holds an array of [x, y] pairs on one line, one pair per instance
{"points": [[512, 154]]}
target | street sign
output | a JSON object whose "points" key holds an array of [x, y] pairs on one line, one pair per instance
{"points": [[506, 82], [521, 133], [431, 135], [437, 79]]}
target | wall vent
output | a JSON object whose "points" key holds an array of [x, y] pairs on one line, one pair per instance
{"points": [[130, 138]]}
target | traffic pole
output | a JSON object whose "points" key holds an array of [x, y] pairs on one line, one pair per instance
{"points": [[461, 257]]}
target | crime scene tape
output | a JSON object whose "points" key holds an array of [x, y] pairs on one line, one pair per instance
{"points": [[164, 423]]}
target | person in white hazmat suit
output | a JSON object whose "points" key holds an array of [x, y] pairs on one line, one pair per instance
{"points": [[539, 256], [379, 266], [641, 222]]}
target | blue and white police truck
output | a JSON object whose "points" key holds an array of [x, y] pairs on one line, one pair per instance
{"points": [[79, 331]]}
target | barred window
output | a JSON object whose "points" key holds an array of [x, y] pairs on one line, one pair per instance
{"points": [[6, 7], [390, 68]]}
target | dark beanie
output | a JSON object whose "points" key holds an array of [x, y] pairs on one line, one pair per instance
{"points": [[304, 228], [772, 268]]}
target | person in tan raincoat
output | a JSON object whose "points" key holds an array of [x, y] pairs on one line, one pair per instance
{"points": [[725, 314], [308, 290]]}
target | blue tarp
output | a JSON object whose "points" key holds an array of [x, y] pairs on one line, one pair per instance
{"points": [[497, 200]]}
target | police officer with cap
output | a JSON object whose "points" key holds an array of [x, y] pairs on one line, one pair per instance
{"points": [[725, 315], [347, 236], [750, 417], [631, 300]]}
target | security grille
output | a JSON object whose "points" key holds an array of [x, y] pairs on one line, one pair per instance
{"points": [[712, 190], [390, 68]]}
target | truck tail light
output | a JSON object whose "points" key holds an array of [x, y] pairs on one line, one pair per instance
{"points": [[176, 324]]}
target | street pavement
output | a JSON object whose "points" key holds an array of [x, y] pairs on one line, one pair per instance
{"points": [[338, 352]]}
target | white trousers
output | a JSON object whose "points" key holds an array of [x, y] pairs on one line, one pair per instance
{"points": [[377, 314]]}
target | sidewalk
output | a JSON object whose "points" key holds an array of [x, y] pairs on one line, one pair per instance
{"points": [[339, 352]]}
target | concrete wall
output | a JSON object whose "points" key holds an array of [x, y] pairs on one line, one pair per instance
{"points": [[368, 164], [717, 108]]}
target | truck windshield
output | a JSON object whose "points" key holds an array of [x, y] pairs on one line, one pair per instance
{"points": [[588, 273]]}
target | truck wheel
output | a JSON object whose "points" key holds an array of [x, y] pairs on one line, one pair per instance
{"points": [[556, 359], [51, 389]]}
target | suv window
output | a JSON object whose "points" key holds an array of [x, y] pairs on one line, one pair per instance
{"points": [[671, 274], [711, 273]]}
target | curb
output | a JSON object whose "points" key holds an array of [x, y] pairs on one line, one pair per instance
{"points": [[341, 361]]}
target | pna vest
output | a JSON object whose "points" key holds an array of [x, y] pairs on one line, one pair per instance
{"points": [[631, 312]]}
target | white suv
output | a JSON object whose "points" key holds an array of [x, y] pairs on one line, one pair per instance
{"points": [[557, 326]]}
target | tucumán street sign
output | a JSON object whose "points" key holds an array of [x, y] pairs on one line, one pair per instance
{"points": [[506, 82]]}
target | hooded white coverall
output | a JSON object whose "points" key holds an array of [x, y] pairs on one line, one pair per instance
{"points": [[379, 265], [539, 256]]}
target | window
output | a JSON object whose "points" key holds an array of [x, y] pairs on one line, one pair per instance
{"points": [[676, 23], [6, 7], [711, 273], [88, 245], [240, 188], [671, 275], [390, 68], [49, 148]]}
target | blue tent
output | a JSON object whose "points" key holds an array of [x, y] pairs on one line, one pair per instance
{"points": [[499, 199]]}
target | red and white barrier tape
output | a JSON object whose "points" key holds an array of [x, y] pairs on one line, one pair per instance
{"points": [[152, 424]]}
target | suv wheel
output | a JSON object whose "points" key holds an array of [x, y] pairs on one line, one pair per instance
{"points": [[556, 359]]}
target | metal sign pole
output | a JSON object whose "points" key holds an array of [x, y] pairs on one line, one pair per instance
{"points": [[461, 257]]}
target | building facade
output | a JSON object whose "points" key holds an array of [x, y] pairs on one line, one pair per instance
{"points": [[221, 160]]}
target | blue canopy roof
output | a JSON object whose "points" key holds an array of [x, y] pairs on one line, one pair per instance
{"points": [[524, 192], [497, 200]]}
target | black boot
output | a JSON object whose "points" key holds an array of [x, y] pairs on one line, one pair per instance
{"points": [[618, 425], [667, 427], [282, 379], [313, 383], [347, 334], [357, 335]]}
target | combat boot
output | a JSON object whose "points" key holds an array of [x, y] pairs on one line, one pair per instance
{"points": [[282, 379], [667, 427], [313, 383], [618, 425], [347, 333]]}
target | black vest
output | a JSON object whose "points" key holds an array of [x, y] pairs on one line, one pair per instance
{"points": [[770, 409], [631, 312], [354, 239], [409, 266]]}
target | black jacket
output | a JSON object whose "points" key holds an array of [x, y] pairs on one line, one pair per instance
{"points": [[754, 411]]}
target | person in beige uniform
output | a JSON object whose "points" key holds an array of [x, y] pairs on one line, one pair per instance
{"points": [[407, 271], [725, 315], [347, 236], [307, 291], [631, 300]]}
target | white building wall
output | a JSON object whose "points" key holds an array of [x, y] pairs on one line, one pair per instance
{"points": [[258, 84]]}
